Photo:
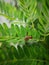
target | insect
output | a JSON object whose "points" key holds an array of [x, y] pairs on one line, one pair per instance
{"points": [[28, 37]]}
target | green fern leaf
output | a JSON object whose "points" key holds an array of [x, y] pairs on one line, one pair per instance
{"points": [[25, 55]]}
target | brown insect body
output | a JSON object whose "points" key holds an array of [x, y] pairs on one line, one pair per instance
{"points": [[28, 37]]}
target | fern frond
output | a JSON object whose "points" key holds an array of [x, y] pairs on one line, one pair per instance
{"points": [[17, 34], [35, 54], [30, 11], [9, 11], [35, 51], [36, 10]]}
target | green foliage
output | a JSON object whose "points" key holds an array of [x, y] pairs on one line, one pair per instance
{"points": [[17, 34], [36, 11], [9, 11], [30, 12], [35, 54], [35, 51]]}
